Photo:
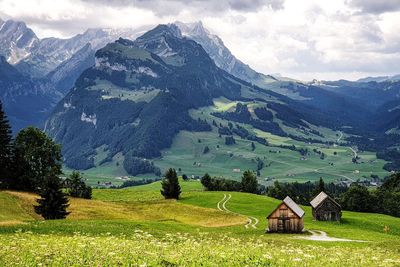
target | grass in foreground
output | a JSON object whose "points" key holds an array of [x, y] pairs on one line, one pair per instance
{"points": [[136, 227], [180, 249]]}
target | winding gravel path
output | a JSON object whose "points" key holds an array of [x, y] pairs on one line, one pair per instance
{"points": [[317, 235], [221, 205]]}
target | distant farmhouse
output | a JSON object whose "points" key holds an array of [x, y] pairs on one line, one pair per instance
{"points": [[286, 218], [325, 208]]}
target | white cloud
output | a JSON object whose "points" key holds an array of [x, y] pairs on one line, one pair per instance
{"points": [[303, 39]]}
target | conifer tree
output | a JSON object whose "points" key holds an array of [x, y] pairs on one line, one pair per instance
{"points": [[320, 187], [170, 185], [249, 182], [53, 202], [6, 150]]}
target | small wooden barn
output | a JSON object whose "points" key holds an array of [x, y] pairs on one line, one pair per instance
{"points": [[325, 208], [286, 218]]}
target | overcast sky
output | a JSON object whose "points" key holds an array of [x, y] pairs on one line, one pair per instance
{"points": [[323, 39]]}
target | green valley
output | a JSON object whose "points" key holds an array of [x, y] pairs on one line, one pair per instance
{"points": [[281, 163]]}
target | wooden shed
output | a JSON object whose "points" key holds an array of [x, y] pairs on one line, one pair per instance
{"points": [[325, 208], [286, 218]]}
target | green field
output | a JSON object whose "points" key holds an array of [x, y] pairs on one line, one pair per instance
{"points": [[186, 154], [137, 227]]}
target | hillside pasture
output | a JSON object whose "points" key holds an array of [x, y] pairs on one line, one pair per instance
{"points": [[136, 226], [187, 154]]}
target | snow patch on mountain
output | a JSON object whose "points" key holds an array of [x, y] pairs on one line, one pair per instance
{"points": [[89, 118], [147, 71], [168, 51], [103, 63], [68, 105]]}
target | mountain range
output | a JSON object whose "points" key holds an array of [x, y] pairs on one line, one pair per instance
{"points": [[127, 93]]}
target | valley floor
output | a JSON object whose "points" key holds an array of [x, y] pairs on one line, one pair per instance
{"points": [[279, 161], [136, 227]]}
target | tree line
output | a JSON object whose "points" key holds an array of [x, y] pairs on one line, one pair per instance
{"points": [[32, 162], [247, 184]]}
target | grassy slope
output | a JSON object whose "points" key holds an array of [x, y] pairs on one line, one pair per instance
{"points": [[127, 212], [360, 225], [196, 208], [186, 153]]}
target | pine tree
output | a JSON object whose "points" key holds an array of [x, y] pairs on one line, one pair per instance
{"points": [[249, 182], [320, 187], [53, 202], [170, 185], [6, 150]]}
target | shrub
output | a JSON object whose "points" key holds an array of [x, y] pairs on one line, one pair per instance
{"points": [[76, 187], [229, 140]]}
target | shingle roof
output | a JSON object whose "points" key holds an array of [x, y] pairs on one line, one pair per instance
{"points": [[321, 198], [293, 206], [318, 199]]}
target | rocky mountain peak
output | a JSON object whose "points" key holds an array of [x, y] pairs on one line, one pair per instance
{"points": [[16, 40], [162, 30], [192, 29]]}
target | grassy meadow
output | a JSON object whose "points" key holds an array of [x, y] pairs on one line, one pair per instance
{"points": [[137, 227], [186, 154]]}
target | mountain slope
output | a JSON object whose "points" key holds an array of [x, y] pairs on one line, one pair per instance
{"points": [[51, 52], [16, 40], [46, 68], [140, 94], [134, 102], [221, 55], [37, 57], [64, 75], [26, 101]]}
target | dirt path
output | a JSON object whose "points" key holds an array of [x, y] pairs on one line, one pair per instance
{"points": [[221, 205], [354, 152], [317, 235], [340, 137]]}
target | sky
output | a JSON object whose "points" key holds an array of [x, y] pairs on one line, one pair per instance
{"points": [[302, 39]]}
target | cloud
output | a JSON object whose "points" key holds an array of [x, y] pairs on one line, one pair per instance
{"points": [[204, 7], [375, 6], [302, 39]]}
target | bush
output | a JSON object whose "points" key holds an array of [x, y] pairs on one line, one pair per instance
{"points": [[229, 140], [220, 184], [76, 187]]}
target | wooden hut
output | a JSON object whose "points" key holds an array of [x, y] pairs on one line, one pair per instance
{"points": [[286, 218], [325, 208]]}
